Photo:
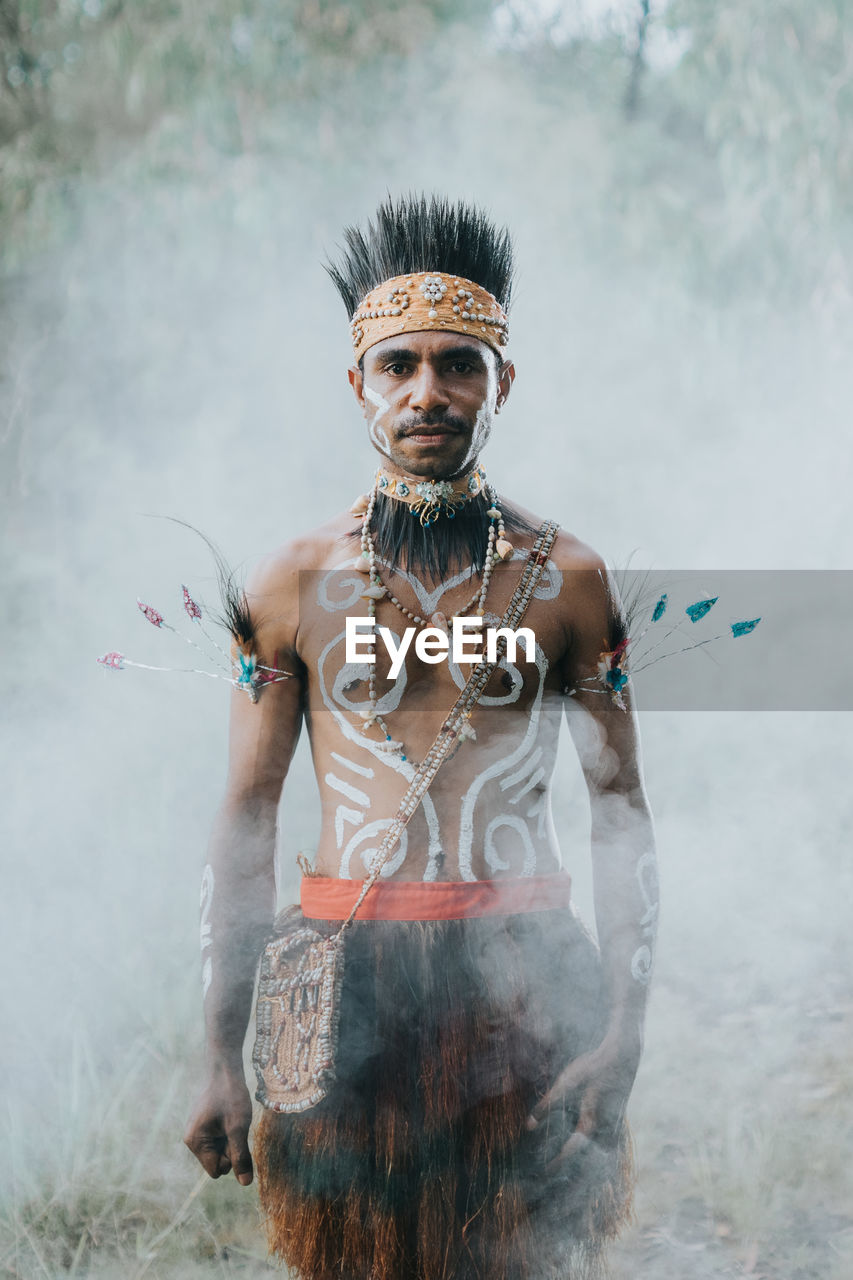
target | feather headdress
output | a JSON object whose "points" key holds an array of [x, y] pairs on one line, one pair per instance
{"points": [[420, 233]]}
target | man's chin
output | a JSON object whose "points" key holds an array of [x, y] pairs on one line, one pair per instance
{"points": [[436, 459]]}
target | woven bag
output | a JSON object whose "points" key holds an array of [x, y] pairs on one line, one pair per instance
{"points": [[297, 1017]]}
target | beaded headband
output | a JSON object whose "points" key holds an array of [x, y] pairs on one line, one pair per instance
{"points": [[428, 300]]}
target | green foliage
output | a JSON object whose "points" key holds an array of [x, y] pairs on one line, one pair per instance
{"points": [[86, 80], [766, 91], [737, 160], [737, 155]]}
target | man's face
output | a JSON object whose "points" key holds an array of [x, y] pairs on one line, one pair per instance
{"points": [[429, 399]]}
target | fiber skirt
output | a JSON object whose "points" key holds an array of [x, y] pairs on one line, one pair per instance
{"points": [[419, 1165]]}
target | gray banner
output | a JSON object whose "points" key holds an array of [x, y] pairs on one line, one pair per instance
{"points": [[795, 659], [685, 655]]}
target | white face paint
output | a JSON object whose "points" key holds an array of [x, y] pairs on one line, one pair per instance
{"points": [[482, 427], [482, 421], [375, 431], [485, 413]]}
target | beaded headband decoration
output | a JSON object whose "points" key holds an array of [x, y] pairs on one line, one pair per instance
{"points": [[429, 499], [428, 300]]}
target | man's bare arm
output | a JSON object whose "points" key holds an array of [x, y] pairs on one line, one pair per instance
{"points": [[623, 861], [238, 890]]}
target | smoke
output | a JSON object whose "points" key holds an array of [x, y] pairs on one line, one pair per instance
{"points": [[180, 352]]}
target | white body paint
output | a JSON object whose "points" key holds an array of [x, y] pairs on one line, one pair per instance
{"points": [[396, 652], [541, 810], [205, 929], [492, 699], [551, 582], [522, 768], [530, 763], [493, 859], [351, 793], [351, 764], [373, 829], [353, 585], [508, 761], [641, 965], [529, 785], [342, 815], [641, 961], [433, 644]]}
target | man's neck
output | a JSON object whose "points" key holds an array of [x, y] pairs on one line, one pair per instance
{"points": [[400, 473]]}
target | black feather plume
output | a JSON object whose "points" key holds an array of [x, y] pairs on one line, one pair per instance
{"points": [[234, 614], [420, 233], [447, 546]]}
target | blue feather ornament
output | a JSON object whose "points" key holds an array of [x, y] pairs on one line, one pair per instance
{"points": [[700, 608], [744, 628]]}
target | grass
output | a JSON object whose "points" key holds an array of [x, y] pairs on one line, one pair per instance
{"points": [[742, 1142], [741, 1173], [100, 1184]]}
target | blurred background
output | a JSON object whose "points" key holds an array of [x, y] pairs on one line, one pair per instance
{"points": [[678, 177]]}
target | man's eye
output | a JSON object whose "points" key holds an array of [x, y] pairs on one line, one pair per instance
{"points": [[396, 369], [461, 366]]}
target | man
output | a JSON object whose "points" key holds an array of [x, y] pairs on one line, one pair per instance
{"points": [[486, 1050]]}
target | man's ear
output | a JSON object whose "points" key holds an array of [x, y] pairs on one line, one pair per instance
{"points": [[506, 377], [356, 381]]}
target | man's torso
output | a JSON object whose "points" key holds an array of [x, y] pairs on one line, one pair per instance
{"points": [[487, 813]]}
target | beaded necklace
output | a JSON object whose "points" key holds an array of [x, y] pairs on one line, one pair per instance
{"points": [[498, 547]]}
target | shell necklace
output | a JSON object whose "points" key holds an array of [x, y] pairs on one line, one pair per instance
{"points": [[497, 548]]}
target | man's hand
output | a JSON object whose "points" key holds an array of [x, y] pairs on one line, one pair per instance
{"points": [[218, 1131], [598, 1083]]}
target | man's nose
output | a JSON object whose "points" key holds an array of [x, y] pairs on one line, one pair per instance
{"points": [[428, 391]]}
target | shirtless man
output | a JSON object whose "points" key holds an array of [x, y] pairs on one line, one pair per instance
{"points": [[485, 1059]]}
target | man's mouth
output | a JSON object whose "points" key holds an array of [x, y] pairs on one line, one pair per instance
{"points": [[431, 433]]}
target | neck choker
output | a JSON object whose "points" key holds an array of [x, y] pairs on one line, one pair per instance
{"points": [[429, 499]]}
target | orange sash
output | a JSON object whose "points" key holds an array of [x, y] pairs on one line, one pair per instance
{"points": [[327, 898]]}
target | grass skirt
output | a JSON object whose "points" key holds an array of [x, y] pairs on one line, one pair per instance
{"points": [[419, 1165]]}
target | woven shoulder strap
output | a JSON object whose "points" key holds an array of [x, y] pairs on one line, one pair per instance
{"points": [[460, 712]]}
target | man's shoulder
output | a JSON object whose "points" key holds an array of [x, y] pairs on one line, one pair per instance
{"points": [[569, 552], [275, 584], [321, 548], [585, 599]]}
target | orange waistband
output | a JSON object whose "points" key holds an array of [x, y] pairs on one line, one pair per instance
{"points": [[327, 898]]}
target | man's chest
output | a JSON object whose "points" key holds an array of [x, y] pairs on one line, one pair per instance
{"points": [[428, 629]]}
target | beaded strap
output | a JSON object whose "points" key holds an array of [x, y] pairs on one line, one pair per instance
{"points": [[460, 712]]}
